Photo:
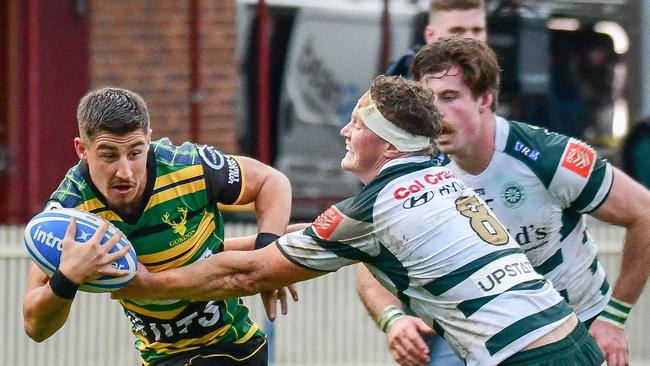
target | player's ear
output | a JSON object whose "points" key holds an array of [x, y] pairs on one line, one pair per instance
{"points": [[485, 102], [391, 152], [80, 148], [429, 34]]}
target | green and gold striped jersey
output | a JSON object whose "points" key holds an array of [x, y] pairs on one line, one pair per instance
{"points": [[178, 223]]}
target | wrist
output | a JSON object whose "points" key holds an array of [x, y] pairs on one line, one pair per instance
{"points": [[62, 286], [264, 239], [390, 314], [616, 312]]}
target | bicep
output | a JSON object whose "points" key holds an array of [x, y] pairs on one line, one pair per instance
{"points": [[627, 201], [256, 174]]}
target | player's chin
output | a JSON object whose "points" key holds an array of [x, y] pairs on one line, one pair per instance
{"points": [[348, 161]]}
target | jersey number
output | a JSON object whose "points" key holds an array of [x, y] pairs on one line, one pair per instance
{"points": [[482, 221]]}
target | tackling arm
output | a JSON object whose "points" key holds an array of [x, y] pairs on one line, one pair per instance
{"points": [[221, 276]]}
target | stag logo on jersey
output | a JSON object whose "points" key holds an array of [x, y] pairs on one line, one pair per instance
{"points": [[579, 158], [179, 226], [326, 223], [418, 201], [513, 194]]}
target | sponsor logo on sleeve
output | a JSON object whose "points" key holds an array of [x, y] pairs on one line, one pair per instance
{"points": [[326, 223], [579, 158], [233, 170], [212, 157], [526, 151]]}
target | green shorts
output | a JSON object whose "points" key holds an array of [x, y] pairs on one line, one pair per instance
{"points": [[578, 348]]}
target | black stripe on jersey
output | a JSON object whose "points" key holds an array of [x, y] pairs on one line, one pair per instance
{"points": [[443, 284], [290, 259], [594, 265], [150, 230], [526, 325], [592, 187], [551, 263], [550, 144], [385, 261], [469, 307], [565, 295], [604, 288], [570, 220], [394, 270], [175, 184], [172, 258]]}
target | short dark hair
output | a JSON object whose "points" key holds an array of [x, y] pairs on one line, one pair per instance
{"points": [[449, 5], [406, 104], [474, 58], [114, 110]]}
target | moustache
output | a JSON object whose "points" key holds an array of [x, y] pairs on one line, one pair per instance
{"points": [[446, 129]]}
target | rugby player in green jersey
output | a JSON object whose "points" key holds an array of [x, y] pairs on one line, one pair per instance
{"points": [[164, 198], [541, 186], [441, 252]]}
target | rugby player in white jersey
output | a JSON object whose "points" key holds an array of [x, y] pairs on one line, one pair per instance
{"points": [[429, 239], [541, 186]]}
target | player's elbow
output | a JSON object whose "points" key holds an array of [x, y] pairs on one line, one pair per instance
{"points": [[33, 331]]}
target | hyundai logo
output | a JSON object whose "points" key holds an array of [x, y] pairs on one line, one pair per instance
{"points": [[418, 201]]}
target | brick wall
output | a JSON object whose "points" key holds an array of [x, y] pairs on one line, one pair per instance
{"points": [[144, 45]]}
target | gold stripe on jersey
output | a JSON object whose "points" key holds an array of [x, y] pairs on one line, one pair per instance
{"points": [[181, 345], [158, 314], [243, 180], [249, 335], [179, 175], [189, 248], [207, 224], [175, 192], [90, 205]]}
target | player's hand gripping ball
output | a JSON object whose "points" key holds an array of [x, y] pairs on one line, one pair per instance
{"points": [[44, 241]]}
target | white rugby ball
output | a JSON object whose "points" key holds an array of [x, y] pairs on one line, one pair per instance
{"points": [[44, 241]]}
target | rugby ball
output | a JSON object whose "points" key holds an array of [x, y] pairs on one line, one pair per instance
{"points": [[44, 241]]}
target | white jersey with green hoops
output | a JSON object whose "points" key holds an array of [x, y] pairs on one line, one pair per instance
{"points": [[435, 245], [541, 185]]}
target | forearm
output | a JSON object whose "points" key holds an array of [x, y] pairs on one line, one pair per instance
{"points": [[240, 243], [43, 312], [373, 295], [634, 263], [224, 275]]}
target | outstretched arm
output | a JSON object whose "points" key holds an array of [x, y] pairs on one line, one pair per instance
{"points": [[628, 205], [221, 276]]}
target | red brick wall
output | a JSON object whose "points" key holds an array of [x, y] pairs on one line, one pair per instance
{"points": [[144, 45]]}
